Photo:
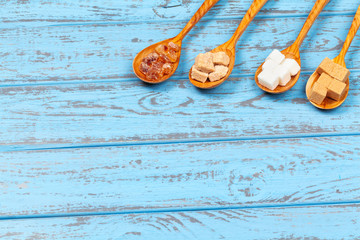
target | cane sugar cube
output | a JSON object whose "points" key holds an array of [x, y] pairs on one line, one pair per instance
{"points": [[333, 69], [276, 56], [268, 79], [198, 75], [325, 80], [221, 58], [283, 74], [292, 66], [269, 64], [325, 66], [204, 62], [336, 90], [340, 73], [220, 72], [318, 93]]}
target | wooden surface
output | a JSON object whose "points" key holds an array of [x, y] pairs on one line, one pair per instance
{"points": [[87, 151]]}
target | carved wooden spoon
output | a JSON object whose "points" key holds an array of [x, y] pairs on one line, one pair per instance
{"points": [[340, 59], [293, 50], [205, 7], [229, 46]]}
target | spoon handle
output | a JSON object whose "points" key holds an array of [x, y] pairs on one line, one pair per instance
{"points": [[315, 11], [352, 32], [249, 16], [205, 7]]}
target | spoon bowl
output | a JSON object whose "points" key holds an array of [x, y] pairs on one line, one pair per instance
{"points": [[340, 59], [293, 80], [293, 51], [204, 8], [208, 84], [141, 55], [328, 103], [229, 46]]}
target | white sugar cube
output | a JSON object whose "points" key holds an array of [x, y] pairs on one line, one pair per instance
{"points": [[276, 56], [291, 65], [283, 74], [268, 79], [269, 64]]}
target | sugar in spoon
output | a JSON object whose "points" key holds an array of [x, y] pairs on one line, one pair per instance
{"points": [[205, 7], [229, 46], [293, 50], [340, 59]]}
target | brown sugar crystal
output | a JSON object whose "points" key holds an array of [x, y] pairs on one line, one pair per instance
{"points": [[333, 69], [318, 93], [167, 68], [336, 90], [167, 53], [161, 62], [174, 46]]}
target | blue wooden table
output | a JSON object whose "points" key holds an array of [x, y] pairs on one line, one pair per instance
{"points": [[87, 151]]}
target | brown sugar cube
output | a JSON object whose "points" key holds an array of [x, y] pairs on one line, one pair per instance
{"points": [[340, 73], [318, 93], [221, 58], [220, 72], [198, 75], [336, 90], [325, 80], [325, 66], [333, 69], [204, 63]]}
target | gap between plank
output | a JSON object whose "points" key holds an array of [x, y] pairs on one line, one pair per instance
{"points": [[175, 210], [18, 148]]}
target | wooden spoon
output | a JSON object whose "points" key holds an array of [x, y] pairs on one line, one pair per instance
{"points": [[340, 59], [293, 50], [205, 7], [229, 46]]}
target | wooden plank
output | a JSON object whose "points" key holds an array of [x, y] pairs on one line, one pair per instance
{"points": [[101, 113], [98, 52], [180, 176], [311, 222], [42, 12]]}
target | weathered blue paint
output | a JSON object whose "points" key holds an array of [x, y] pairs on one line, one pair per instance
{"points": [[81, 136], [308, 222], [181, 176]]}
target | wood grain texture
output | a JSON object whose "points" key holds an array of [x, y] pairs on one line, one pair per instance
{"points": [[98, 52], [229, 46], [314, 222], [119, 146], [340, 59], [42, 12], [180, 176], [100, 113]]}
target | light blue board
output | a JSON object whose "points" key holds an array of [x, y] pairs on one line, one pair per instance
{"points": [[55, 12], [310, 222], [180, 176], [81, 136], [131, 112], [99, 52]]}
